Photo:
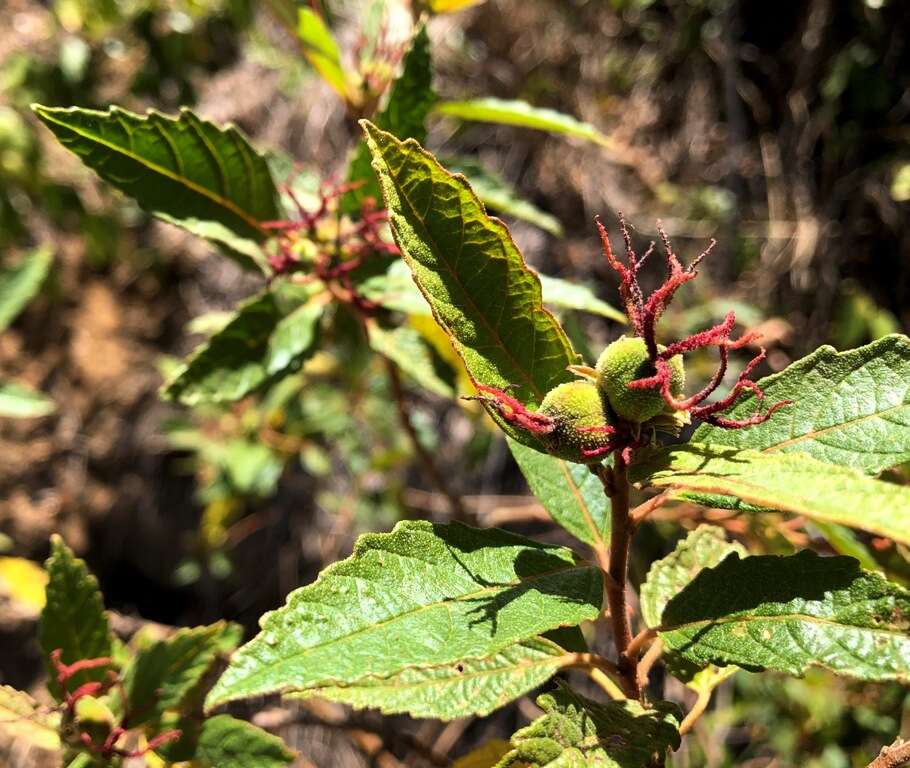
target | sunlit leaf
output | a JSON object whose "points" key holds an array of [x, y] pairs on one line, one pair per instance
{"points": [[321, 50], [21, 402], [19, 283]]}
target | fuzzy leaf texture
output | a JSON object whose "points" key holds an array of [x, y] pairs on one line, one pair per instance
{"points": [[571, 493], [20, 283], [790, 613], [164, 674], [20, 402], [523, 115], [469, 269], [790, 482], [182, 169], [225, 742], [419, 596], [704, 547], [73, 618], [849, 408], [448, 691], [22, 719], [405, 114], [259, 342], [576, 732]]}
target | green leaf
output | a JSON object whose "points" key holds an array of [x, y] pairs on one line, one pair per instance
{"points": [[19, 284], [849, 408], [469, 269], [405, 347], [448, 691], [571, 493], [790, 482], [422, 595], [575, 732], [496, 193], [790, 613], [565, 295], [73, 619], [321, 50], [225, 742], [451, 6], [183, 169], [405, 115], [24, 721], [523, 115], [19, 402], [704, 547], [257, 344], [164, 674]]}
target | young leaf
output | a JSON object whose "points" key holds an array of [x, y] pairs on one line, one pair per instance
{"points": [[322, 51], [163, 675], [73, 620], [850, 408], [790, 482], [570, 493], [704, 547], [22, 719], [522, 114], [183, 169], [20, 283], [256, 344], [422, 595], [225, 742], [576, 732], [476, 281], [19, 402], [405, 347], [465, 688], [791, 613], [410, 99]]}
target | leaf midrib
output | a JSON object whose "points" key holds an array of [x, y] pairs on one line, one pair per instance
{"points": [[215, 198], [833, 428], [582, 504]]}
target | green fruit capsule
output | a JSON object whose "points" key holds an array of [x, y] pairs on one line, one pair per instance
{"points": [[582, 432], [626, 360]]}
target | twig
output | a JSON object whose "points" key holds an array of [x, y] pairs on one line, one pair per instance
{"points": [[616, 485], [599, 669], [698, 709], [647, 661], [646, 508], [456, 508], [892, 756], [640, 641]]}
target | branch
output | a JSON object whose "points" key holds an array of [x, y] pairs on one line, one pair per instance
{"points": [[698, 709], [892, 756]]}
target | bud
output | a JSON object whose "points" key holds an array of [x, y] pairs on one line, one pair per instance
{"points": [[626, 360], [581, 431]]}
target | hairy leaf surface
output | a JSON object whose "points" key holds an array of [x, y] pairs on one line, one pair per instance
{"points": [[73, 619], [20, 283], [575, 732], [465, 688], [523, 115], [476, 281], [421, 595], [849, 408], [182, 169], [791, 613], [791, 482], [570, 493]]}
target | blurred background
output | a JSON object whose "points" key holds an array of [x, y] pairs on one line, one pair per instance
{"points": [[782, 129]]}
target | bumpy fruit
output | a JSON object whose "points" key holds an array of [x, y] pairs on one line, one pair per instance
{"points": [[626, 360], [582, 429]]}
